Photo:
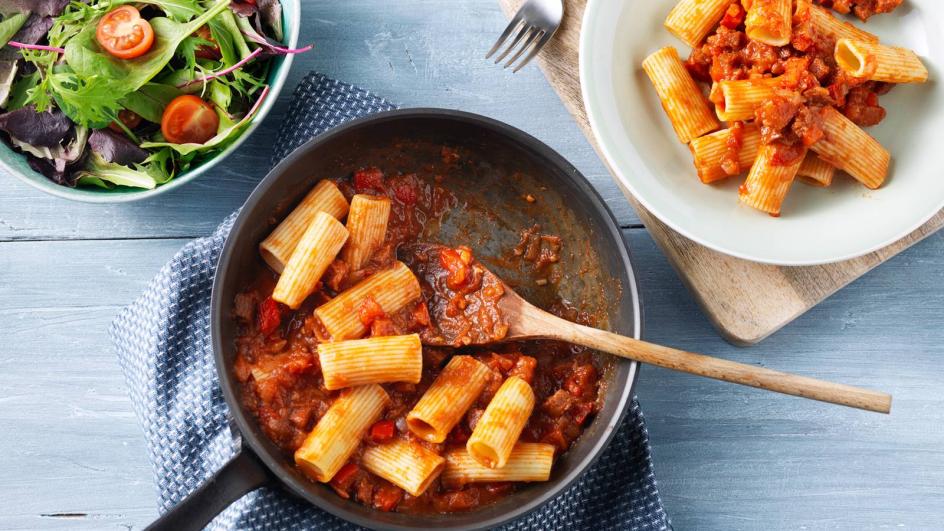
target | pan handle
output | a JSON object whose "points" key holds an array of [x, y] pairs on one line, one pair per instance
{"points": [[242, 474]]}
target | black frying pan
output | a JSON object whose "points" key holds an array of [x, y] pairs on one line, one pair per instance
{"points": [[509, 164]]}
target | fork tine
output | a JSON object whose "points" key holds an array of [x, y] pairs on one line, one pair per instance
{"points": [[515, 21], [534, 51], [525, 30], [533, 38]]}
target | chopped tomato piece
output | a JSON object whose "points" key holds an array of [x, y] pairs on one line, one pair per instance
{"points": [[129, 119], [207, 51], [269, 316], [382, 327], [383, 431], [458, 270], [189, 120], [343, 480], [733, 17], [405, 193], [369, 311], [124, 34], [583, 377], [421, 314], [387, 497], [368, 179], [581, 411], [460, 500]]}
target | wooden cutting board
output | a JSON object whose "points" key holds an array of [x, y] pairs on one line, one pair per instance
{"points": [[746, 301]]}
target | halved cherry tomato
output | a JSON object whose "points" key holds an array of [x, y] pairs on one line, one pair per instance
{"points": [[188, 119], [207, 51], [123, 33], [130, 119]]}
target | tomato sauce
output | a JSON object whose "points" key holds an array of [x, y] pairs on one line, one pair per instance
{"points": [[281, 382], [809, 77]]}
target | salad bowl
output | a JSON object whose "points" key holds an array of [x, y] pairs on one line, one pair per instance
{"points": [[16, 163]]}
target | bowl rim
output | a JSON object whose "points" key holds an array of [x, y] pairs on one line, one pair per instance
{"points": [[91, 195], [270, 182], [625, 181]]}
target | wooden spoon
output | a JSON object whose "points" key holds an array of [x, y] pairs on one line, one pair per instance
{"points": [[482, 297]]}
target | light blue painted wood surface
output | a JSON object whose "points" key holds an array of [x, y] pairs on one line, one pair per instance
{"points": [[72, 455]]}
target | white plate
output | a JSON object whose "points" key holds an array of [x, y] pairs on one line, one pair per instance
{"points": [[816, 225]]}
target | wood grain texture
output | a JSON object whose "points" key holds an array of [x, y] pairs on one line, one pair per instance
{"points": [[528, 322], [746, 301], [73, 455]]}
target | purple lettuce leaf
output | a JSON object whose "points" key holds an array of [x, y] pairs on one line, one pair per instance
{"points": [[116, 148], [44, 129], [45, 8]]}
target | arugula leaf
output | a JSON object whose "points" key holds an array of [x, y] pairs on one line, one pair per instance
{"points": [[10, 26], [99, 172], [187, 50], [109, 78], [149, 101], [91, 99]]}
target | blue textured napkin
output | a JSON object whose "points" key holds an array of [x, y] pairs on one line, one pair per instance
{"points": [[163, 345]]}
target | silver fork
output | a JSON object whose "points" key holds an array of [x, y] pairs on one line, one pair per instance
{"points": [[536, 22]]}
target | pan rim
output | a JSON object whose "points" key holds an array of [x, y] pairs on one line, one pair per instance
{"points": [[243, 424]]}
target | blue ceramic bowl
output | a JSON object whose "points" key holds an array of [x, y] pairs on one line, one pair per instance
{"points": [[15, 163]]}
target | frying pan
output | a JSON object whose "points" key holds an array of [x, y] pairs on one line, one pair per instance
{"points": [[506, 165]]}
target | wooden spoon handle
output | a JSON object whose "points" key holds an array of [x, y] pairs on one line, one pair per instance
{"points": [[729, 371]]}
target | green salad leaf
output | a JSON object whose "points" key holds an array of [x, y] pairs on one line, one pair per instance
{"points": [[104, 174], [179, 10], [150, 100], [10, 26], [99, 80]]}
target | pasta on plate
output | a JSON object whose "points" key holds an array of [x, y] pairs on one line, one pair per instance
{"points": [[779, 90]]}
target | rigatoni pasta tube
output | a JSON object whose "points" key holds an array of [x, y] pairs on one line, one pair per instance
{"points": [[449, 397], [769, 21], [877, 62], [692, 20], [277, 248], [315, 251], [768, 182], [498, 429], [816, 171], [338, 433], [527, 462], [847, 147], [681, 97], [824, 23], [405, 464], [742, 97], [391, 288], [367, 223], [375, 360], [709, 150]]}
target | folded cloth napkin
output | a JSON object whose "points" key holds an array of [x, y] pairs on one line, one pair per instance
{"points": [[163, 345]]}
